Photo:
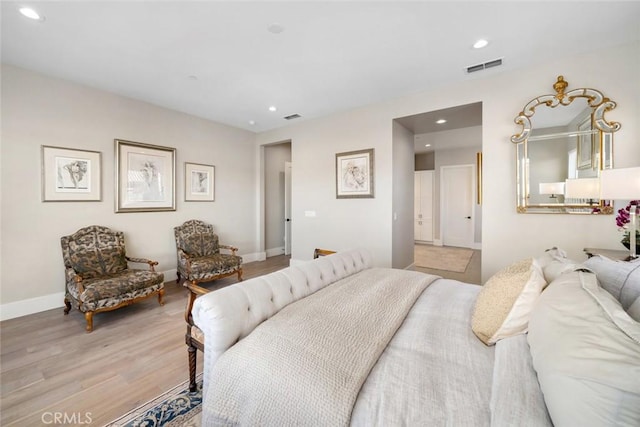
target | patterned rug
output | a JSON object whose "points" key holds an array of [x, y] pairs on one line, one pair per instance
{"points": [[442, 258], [177, 407]]}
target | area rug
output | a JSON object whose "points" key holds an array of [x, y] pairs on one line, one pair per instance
{"points": [[442, 258], [177, 407]]}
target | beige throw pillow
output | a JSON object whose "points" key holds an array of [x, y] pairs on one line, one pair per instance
{"points": [[506, 300]]}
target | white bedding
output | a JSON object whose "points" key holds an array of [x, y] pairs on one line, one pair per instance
{"points": [[433, 372]]}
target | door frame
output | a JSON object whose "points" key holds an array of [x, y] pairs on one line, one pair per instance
{"points": [[287, 207]]}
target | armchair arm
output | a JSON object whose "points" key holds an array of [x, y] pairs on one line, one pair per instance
{"points": [[233, 249], [194, 292], [152, 264], [73, 279]]}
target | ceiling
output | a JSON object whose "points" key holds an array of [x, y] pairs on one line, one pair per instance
{"points": [[230, 61]]}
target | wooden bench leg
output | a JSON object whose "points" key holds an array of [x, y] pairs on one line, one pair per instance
{"points": [[192, 368], [161, 296]]}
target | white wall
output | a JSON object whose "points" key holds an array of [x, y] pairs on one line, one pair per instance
{"points": [[39, 110], [403, 196], [507, 236], [338, 223]]}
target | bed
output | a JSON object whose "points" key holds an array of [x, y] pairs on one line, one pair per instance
{"points": [[337, 341]]}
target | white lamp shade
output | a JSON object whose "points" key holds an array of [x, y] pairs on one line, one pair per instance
{"points": [[620, 184], [551, 187], [582, 188]]}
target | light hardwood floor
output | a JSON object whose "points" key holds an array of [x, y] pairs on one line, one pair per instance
{"points": [[49, 365]]}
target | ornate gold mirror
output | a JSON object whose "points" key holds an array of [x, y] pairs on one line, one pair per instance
{"points": [[561, 151]]}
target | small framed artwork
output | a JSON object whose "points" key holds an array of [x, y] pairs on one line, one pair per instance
{"points": [[71, 175], [354, 174], [199, 182], [145, 177], [585, 145]]}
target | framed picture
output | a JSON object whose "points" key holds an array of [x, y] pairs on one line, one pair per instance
{"points": [[199, 182], [354, 174], [585, 145], [71, 175], [145, 177]]}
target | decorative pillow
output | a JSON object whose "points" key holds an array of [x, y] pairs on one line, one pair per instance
{"points": [[113, 259], [505, 301], [586, 352], [200, 244], [621, 279]]}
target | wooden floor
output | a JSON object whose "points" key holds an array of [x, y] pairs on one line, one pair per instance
{"points": [[50, 365]]}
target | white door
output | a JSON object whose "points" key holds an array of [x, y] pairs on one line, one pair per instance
{"points": [[456, 200], [287, 208]]}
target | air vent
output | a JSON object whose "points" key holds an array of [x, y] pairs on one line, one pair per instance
{"points": [[292, 116], [480, 67]]}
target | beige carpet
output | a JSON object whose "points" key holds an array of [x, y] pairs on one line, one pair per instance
{"points": [[442, 258]]}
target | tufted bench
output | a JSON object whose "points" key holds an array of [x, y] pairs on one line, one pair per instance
{"points": [[240, 308]]}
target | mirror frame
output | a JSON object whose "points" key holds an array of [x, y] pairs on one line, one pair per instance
{"points": [[603, 128]]}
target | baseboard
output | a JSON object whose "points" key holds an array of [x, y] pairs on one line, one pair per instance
{"points": [[297, 261], [25, 307], [275, 251], [437, 242], [256, 256]]}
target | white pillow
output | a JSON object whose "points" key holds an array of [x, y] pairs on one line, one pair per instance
{"points": [[586, 352], [554, 262], [620, 278], [505, 301], [634, 310]]}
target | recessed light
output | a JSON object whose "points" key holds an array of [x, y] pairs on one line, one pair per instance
{"points": [[441, 121], [427, 145], [275, 28], [273, 108], [480, 44], [252, 122], [31, 14]]}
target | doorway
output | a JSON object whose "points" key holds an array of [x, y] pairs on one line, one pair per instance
{"points": [[440, 139], [277, 196]]}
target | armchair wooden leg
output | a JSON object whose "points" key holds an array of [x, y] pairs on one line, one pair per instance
{"points": [[67, 308], [89, 317], [178, 279], [240, 275], [192, 368], [161, 296]]}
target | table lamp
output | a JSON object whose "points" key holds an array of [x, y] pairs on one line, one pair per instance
{"points": [[553, 188], [623, 184], [582, 188]]}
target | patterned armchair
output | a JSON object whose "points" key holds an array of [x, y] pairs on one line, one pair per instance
{"points": [[97, 275], [199, 256]]}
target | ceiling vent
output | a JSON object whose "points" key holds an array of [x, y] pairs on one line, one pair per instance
{"points": [[292, 116], [480, 67]]}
